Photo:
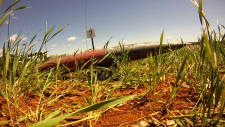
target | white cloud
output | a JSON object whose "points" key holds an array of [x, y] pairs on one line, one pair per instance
{"points": [[0, 51], [72, 38], [13, 37], [124, 40], [7, 22], [13, 17], [69, 45], [85, 39], [168, 37], [64, 45], [54, 45], [25, 38], [16, 17], [144, 39]]}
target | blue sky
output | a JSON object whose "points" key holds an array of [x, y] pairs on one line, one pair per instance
{"points": [[133, 21]]}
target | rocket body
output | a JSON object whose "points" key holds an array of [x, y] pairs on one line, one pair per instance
{"points": [[136, 51]]}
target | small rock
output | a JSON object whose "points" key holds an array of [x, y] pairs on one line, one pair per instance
{"points": [[170, 122], [153, 121], [142, 124]]}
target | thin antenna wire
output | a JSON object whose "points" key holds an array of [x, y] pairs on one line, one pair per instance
{"points": [[45, 33], [30, 33], [86, 24], [8, 25], [35, 33]]}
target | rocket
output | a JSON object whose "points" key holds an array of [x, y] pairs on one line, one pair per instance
{"points": [[135, 52]]}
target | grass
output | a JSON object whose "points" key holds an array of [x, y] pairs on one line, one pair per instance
{"points": [[205, 64]]}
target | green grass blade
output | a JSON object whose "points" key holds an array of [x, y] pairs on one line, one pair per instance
{"points": [[58, 31], [210, 99], [176, 89], [21, 7], [84, 119], [195, 3], [92, 73], [218, 92], [5, 17], [209, 53], [47, 34], [207, 23], [161, 41], [223, 99], [101, 105], [47, 81], [4, 122], [179, 74], [11, 5], [3, 63], [103, 58], [219, 31], [222, 26], [53, 93], [52, 115], [15, 43], [180, 122], [1, 1], [7, 59], [222, 51], [32, 39], [30, 46]]}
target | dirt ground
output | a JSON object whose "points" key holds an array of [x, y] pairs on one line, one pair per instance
{"points": [[146, 111]]}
